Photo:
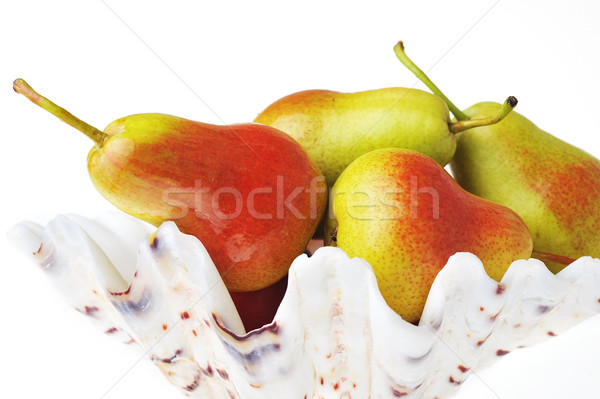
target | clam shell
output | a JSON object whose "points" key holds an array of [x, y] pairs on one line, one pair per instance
{"points": [[333, 335]]}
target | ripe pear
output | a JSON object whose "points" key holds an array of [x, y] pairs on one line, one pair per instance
{"points": [[552, 185], [248, 192], [403, 213], [335, 128]]}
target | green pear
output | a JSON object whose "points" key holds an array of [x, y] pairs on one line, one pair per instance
{"points": [[552, 185], [335, 128], [403, 213]]}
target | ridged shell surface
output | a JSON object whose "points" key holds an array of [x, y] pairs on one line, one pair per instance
{"points": [[333, 335]]}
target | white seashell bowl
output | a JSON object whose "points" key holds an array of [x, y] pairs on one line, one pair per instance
{"points": [[333, 335]]}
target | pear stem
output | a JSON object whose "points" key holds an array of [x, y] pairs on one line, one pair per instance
{"points": [[464, 122], [505, 109], [21, 87], [399, 50], [548, 257]]}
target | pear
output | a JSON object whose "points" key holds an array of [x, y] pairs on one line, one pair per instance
{"points": [[248, 192], [335, 128], [403, 213], [552, 185]]}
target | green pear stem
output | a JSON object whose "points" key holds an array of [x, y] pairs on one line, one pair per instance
{"points": [[505, 109], [399, 50], [22, 87], [548, 257], [464, 122]]}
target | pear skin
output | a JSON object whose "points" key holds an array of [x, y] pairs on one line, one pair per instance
{"points": [[248, 192], [336, 128], [553, 186], [404, 214]]}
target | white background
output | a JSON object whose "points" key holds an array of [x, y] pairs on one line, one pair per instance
{"points": [[223, 62]]}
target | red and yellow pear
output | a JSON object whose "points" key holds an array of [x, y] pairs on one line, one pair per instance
{"points": [[248, 192], [403, 213]]}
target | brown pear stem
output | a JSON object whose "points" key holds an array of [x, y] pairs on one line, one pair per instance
{"points": [[548, 257], [333, 235], [505, 109], [21, 87]]}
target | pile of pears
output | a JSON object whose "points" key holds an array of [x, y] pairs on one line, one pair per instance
{"points": [[256, 193]]}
